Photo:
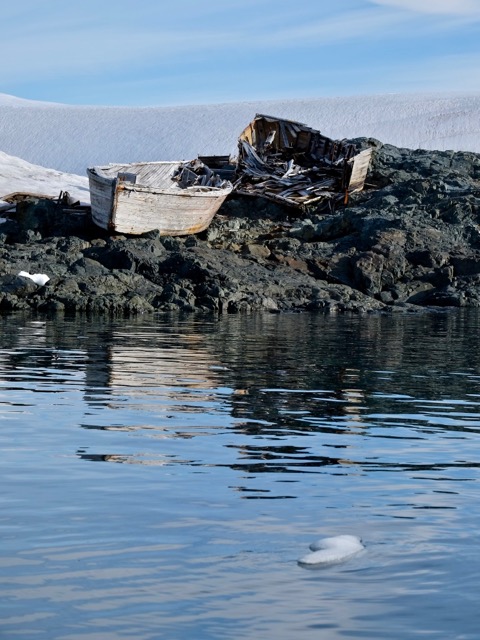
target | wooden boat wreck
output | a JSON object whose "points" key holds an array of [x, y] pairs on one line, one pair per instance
{"points": [[11, 200], [290, 163], [177, 198]]}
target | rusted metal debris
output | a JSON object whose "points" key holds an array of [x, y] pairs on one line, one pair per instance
{"points": [[291, 163]]}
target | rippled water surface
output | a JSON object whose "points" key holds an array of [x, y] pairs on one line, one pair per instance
{"points": [[161, 476]]}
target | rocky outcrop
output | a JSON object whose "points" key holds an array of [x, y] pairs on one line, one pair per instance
{"points": [[410, 240]]}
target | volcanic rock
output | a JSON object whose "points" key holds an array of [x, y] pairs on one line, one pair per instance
{"points": [[410, 240]]}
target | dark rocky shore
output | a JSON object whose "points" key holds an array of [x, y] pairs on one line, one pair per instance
{"points": [[410, 240]]}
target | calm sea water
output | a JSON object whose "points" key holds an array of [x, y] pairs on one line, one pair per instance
{"points": [[161, 476]]}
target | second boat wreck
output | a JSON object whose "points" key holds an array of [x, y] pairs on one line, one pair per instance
{"points": [[290, 163]]}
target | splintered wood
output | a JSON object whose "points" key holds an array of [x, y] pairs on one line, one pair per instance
{"points": [[197, 174], [290, 163]]}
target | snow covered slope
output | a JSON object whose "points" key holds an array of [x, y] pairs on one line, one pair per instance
{"points": [[19, 175], [71, 138]]}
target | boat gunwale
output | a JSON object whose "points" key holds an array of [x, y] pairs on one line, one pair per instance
{"points": [[96, 174]]}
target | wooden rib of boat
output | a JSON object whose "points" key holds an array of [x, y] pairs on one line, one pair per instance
{"points": [[290, 163], [176, 198]]}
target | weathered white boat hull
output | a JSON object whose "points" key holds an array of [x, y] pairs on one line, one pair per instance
{"points": [[131, 208]]}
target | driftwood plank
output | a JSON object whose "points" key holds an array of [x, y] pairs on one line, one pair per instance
{"points": [[361, 162]]}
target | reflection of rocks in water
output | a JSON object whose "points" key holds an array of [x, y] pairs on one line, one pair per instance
{"points": [[144, 459], [269, 458], [39, 345], [156, 383], [110, 427], [376, 347]]}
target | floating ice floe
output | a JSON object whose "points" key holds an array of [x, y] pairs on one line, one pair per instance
{"points": [[38, 278], [333, 550]]}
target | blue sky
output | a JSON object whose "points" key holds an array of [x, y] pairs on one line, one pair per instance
{"points": [[159, 52]]}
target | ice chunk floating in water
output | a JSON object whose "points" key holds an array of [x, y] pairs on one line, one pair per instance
{"points": [[332, 550]]}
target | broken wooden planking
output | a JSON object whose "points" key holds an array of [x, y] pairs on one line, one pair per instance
{"points": [[276, 153]]}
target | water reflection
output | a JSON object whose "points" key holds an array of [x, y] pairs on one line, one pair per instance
{"points": [[233, 443], [255, 381]]}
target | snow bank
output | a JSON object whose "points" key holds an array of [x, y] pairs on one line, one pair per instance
{"points": [[72, 138], [19, 175]]}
